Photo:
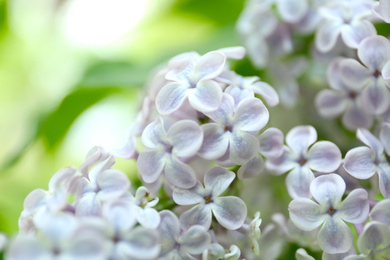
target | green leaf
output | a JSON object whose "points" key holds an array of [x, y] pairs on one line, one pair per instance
{"points": [[54, 128]]}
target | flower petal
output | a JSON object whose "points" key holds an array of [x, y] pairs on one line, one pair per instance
{"points": [[271, 142], [375, 237], [141, 243], [328, 189], [301, 254], [374, 52], [206, 96], [381, 212], [154, 134], [218, 179], [330, 103], [324, 156], [236, 52], [356, 31], [370, 140], [267, 92], [243, 147], [215, 142], [354, 74], [355, 207], [386, 71], [148, 217], [283, 163], [194, 240], [335, 236], [113, 183], [385, 137], [171, 97], [186, 137], [306, 214], [376, 97], [179, 174], [359, 162], [188, 196], [356, 116], [198, 215], [209, 65], [169, 230], [150, 165], [384, 179], [300, 138], [229, 211], [292, 11], [251, 115], [298, 182], [224, 112], [252, 168], [327, 35]]}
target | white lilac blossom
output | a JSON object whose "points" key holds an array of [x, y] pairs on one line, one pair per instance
{"points": [[145, 214], [301, 156], [345, 99], [166, 143], [192, 76], [301, 254], [345, 18], [382, 10], [217, 252], [229, 211], [102, 185], [373, 243], [329, 211], [177, 244], [374, 53], [363, 162], [233, 131]]}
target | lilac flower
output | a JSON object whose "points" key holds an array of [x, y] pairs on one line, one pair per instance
{"points": [[363, 162], [373, 243], [192, 77], [342, 99], [381, 212], [144, 213], [128, 242], [328, 210], [345, 18], [301, 254], [166, 143], [382, 9], [374, 53], [300, 160], [177, 244], [102, 185], [230, 211], [292, 11], [234, 130], [217, 252]]}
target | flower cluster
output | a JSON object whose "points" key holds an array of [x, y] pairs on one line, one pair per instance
{"points": [[203, 152]]}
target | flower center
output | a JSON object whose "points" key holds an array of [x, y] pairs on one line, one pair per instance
{"points": [[331, 211], [353, 94], [377, 73], [169, 149], [302, 161], [228, 128], [208, 199]]}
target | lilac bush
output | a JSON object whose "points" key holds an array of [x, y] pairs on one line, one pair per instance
{"points": [[210, 152]]}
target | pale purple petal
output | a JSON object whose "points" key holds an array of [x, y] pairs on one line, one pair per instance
{"points": [[154, 134], [375, 237], [186, 137], [194, 240], [327, 35], [386, 71], [243, 147], [209, 66], [341, 256], [271, 142], [27, 247], [113, 183], [385, 137], [218, 179], [359, 162], [301, 254], [188, 196], [169, 229], [171, 97], [384, 179], [324, 156], [215, 141], [354, 74], [198, 215], [376, 97], [252, 168], [236, 52], [385, 10], [381, 212], [356, 31], [335, 236], [333, 74], [300, 138], [206, 96], [179, 174], [306, 214], [374, 52], [292, 11], [267, 92], [120, 214], [35, 199], [370, 140], [229, 211], [148, 217], [251, 115], [150, 165], [141, 243], [328, 189], [88, 205], [224, 111], [354, 208], [330, 103], [283, 163], [355, 116], [298, 182]]}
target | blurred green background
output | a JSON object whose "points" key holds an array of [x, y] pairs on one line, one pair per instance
{"points": [[72, 75]]}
